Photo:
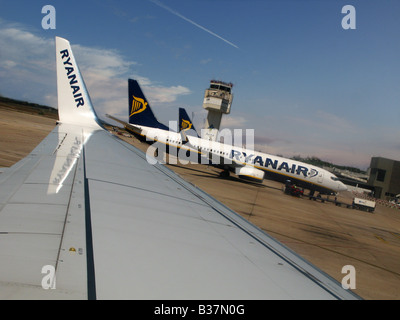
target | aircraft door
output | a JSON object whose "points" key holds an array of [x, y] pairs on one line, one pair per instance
{"points": [[320, 177]]}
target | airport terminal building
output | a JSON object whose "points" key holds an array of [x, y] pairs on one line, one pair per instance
{"points": [[385, 177]]}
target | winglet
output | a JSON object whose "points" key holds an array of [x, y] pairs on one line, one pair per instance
{"points": [[74, 104]]}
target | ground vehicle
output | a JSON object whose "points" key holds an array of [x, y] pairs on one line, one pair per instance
{"points": [[293, 190], [362, 204]]}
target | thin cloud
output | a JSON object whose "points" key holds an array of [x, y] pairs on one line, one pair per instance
{"points": [[165, 94], [28, 72], [233, 122], [161, 5]]}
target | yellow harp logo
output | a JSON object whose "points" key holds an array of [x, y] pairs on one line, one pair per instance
{"points": [[138, 105], [186, 125]]}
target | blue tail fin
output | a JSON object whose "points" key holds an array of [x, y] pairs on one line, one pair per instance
{"points": [[140, 112], [184, 121]]}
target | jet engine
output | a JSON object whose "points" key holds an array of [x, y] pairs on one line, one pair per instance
{"points": [[250, 173]]}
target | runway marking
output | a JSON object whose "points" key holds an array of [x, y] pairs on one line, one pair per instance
{"points": [[395, 234], [380, 238]]}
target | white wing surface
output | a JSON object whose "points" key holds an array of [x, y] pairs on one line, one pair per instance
{"points": [[89, 207]]}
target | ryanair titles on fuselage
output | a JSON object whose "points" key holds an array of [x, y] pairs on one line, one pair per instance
{"points": [[73, 82], [217, 152], [267, 163]]}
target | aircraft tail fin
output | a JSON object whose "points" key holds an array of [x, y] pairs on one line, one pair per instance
{"points": [[140, 112], [74, 104], [184, 121]]}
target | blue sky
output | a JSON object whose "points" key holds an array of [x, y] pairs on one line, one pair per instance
{"points": [[305, 85]]}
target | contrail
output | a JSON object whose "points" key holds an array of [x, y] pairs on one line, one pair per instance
{"points": [[158, 3]]}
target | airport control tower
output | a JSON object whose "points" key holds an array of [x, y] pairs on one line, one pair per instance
{"points": [[217, 100]]}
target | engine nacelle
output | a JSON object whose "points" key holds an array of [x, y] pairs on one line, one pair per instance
{"points": [[250, 173]]}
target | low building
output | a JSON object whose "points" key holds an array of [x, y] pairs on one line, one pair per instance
{"points": [[384, 177]]}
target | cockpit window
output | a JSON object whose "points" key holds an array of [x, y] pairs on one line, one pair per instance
{"points": [[334, 178]]}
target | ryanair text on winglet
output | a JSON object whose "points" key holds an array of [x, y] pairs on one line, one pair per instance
{"points": [[73, 82]]}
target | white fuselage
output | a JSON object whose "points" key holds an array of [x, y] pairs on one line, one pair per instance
{"points": [[235, 157]]}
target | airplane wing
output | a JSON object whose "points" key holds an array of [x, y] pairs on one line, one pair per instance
{"points": [[85, 216], [130, 127]]}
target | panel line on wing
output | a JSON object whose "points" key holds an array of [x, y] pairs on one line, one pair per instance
{"points": [[31, 233], [60, 143], [91, 279], [148, 190], [68, 207]]}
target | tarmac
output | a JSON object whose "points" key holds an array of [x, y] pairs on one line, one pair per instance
{"points": [[329, 236]]}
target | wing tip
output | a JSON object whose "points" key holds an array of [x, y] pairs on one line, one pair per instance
{"points": [[74, 103]]}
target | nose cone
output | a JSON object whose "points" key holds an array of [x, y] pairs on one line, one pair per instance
{"points": [[341, 186]]}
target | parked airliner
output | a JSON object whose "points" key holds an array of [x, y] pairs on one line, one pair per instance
{"points": [[245, 163]]}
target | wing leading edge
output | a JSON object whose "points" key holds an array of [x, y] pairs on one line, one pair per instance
{"points": [[112, 226]]}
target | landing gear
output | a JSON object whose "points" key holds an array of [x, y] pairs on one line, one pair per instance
{"points": [[224, 174]]}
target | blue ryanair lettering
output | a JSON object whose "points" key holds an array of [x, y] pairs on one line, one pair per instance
{"points": [[273, 164], [247, 158], [313, 173], [258, 160], [235, 154], [69, 70], [73, 79], [284, 166], [268, 162], [303, 170]]}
